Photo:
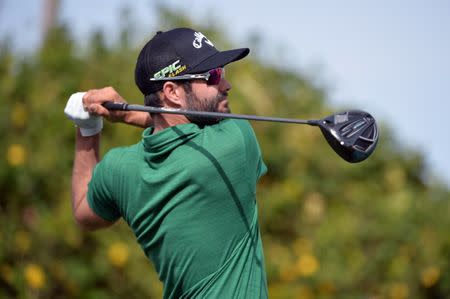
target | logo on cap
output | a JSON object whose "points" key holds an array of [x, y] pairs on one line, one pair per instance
{"points": [[171, 70], [199, 37]]}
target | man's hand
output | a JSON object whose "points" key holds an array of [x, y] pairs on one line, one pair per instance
{"points": [[93, 100]]}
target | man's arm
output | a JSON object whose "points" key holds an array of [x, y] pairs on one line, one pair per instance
{"points": [[87, 147], [93, 100], [86, 158]]}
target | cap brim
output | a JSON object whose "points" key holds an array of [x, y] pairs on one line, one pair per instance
{"points": [[220, 59]]}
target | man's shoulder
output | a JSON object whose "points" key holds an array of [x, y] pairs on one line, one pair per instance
{"points": [[121, 154], [241, 125], [244, 128], [237, 122]]}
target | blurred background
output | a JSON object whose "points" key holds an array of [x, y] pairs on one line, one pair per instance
{"points": [[379, 229]]}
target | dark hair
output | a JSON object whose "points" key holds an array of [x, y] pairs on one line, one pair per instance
{"points": [[154, 100]]}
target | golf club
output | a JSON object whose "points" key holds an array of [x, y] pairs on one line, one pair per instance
{"points": [[352, 134]]}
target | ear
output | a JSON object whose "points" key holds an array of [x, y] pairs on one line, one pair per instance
{"points": [[173, 94]]}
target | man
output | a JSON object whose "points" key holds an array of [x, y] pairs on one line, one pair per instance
{"points": [[187, 189]]}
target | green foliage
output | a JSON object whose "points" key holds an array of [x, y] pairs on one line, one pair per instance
{"points": [[330, 229]]}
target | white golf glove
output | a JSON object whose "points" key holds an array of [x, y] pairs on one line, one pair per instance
{"points": [[89, 124]]}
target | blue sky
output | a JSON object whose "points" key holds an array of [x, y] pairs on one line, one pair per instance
{"points": [[390, 58]]}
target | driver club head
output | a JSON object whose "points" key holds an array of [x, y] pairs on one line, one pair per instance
{"points": [[353, 134]]}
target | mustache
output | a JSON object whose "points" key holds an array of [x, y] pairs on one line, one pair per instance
{"points": [[222, 96]]}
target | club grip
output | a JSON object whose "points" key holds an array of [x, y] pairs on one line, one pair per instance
{"points": [[115, 106]]}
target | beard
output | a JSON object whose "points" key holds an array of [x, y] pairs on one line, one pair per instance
{"points": [[194, 103]]}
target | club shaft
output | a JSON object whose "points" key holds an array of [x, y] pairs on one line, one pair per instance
{"points": [[132, 107]]}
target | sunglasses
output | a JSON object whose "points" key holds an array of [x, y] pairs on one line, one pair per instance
{"points": [[212, 77]]}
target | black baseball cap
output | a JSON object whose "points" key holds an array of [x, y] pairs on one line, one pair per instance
{"points": [[177, 52]]}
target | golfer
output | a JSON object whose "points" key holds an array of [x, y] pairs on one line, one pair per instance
{"points": [[187, 189]]}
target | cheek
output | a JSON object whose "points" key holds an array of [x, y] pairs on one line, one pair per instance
{"points": [[212, 93], [204, 91]]}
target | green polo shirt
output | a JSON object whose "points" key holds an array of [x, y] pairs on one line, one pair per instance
{"points": [[189, 195]]}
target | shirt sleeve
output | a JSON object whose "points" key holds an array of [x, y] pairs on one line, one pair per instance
{"points": [[100, 191]]}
